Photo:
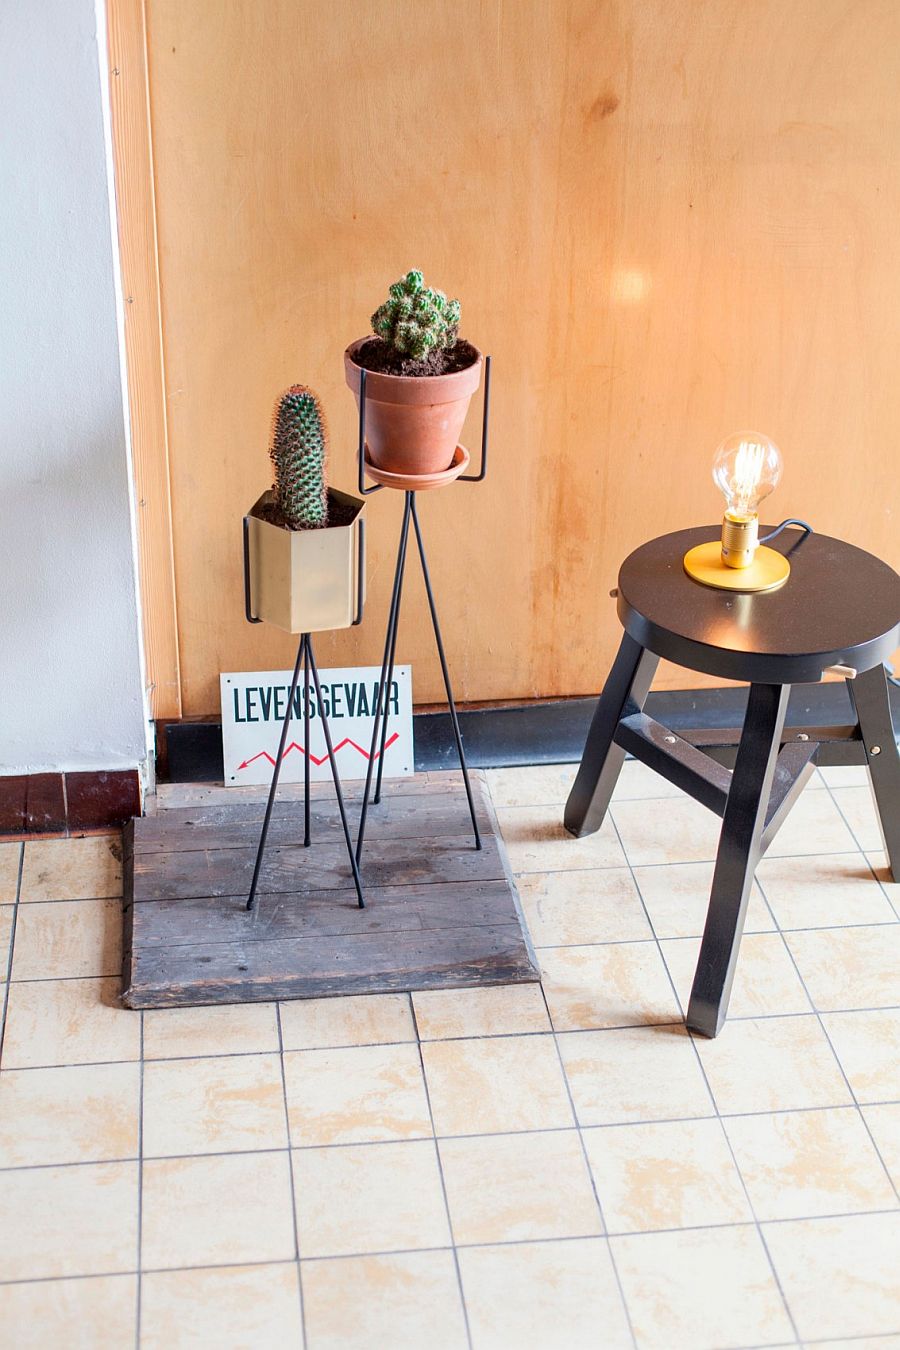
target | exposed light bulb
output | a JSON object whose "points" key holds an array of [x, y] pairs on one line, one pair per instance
{"points": [[746, 468]]}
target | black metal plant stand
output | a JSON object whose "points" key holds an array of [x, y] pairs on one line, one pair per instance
{"points": [[306, 658], [411, 515]]}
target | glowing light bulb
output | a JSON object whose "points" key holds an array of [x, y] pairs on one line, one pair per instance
{"points": [[746, 468]]}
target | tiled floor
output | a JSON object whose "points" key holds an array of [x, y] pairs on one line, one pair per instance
{"points": [[558, 1166]]}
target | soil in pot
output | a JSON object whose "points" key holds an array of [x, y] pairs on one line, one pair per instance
{"points": [[379, 356], [339, 513]]}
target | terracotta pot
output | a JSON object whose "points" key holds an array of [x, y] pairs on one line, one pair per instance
{"points": [[413, 422]]}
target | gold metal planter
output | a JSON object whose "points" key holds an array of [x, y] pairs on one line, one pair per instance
{"points": [[305, 581]]}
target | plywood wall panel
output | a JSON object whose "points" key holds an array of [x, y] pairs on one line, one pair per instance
{"points": [[666, 219]]}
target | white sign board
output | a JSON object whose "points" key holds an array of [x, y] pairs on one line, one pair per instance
{"points": [[253, 708]]}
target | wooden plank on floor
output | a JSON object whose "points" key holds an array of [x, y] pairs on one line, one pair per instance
{"points": [[389, 909], [212, 871], [326, 966], [239, 826], [173, 795], [439, 912]]}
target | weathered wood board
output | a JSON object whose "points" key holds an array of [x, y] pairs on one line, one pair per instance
{"points": [[439, 913]]}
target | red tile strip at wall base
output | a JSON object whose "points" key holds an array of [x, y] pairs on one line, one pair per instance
{"points": [[12, 804], [70, 803]]}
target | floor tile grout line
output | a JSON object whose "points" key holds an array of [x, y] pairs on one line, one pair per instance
{"points": [[669, 862], [591, 1178], [843, 1071], [616, 800], [467, 1246], [661, 953], [620, 1026], [73, 900], [756, 1220], [140, 1192], [7, 989], [755, 882], [713, 1101], [843, 1340], [424, 1138], [443, 1180], [295, 1219], [695, 937], [718, 1116], [437, 1040], [863, 851], [419, 1139], [740, 1175], [548, 872]]}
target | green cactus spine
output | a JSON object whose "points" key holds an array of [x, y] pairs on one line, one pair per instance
{"points": [[299, 450], [416, 319]]}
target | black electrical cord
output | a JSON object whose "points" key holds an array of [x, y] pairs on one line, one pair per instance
{"points": [[764, 538], [804, 525]]}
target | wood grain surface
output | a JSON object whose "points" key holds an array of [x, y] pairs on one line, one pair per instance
{"points": [[665, 219], [439, 913]]}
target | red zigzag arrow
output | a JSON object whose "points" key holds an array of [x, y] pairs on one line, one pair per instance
{"points": [[264, 754]]}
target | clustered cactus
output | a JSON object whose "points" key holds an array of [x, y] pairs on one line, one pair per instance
{"points": [[299, 449], [415, 319]]}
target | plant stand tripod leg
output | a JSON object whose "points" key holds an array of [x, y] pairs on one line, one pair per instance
{"points": [[336, 777], [871, 699], [739, 852], [387, 680], [451, 704], [393, 618], [625, 690], [307, 838], [276, 770]]}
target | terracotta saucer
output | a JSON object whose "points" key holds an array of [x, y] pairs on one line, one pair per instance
{"points": [[411, 482]]}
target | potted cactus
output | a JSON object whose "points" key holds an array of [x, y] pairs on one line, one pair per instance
{"points": [[420, 379], [303, 544]]}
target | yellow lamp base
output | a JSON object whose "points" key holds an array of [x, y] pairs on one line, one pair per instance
{"points": [[767, 572]]}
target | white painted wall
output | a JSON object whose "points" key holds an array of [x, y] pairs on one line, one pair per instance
{"points": [[71, 688]]}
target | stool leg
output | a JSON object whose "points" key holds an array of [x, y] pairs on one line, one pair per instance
{"points": [[739, 852], [871, 699], [626, 688]]}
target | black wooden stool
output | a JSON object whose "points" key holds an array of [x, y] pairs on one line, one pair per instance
{"points": [[839, 609]]}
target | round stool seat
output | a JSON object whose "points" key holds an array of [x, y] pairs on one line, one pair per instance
{"points": [[839, 606]]}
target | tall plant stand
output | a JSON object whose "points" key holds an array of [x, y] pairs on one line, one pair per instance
{"points": [[411, 517]]}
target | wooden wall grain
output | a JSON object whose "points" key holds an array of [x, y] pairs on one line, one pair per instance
{"points": [[666, 220]]}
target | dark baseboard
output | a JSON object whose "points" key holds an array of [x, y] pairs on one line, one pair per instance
{"points": [[67, 803], [542, 732]]}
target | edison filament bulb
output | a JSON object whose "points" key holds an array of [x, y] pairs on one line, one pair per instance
{"points": [[746, 468]]}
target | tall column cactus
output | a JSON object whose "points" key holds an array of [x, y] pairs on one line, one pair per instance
{"points": [[416, 319], [299, 450]]}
